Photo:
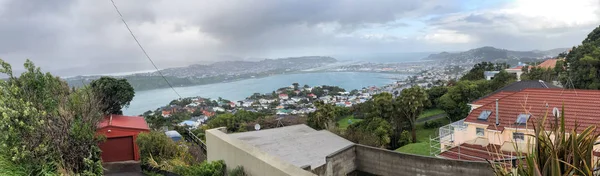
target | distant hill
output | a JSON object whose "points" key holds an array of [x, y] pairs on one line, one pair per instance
{"points": [[198, 74], [491, 54]]}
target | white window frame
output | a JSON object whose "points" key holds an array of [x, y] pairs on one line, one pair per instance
{"points": [[482, 132]]}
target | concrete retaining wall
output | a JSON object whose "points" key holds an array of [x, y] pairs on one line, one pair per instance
{"points": [[384, 162], [235, 152], [341, 162]]}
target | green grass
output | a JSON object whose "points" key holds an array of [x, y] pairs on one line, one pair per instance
{"points": [[421, 147], [343, 123], [431, 112]]}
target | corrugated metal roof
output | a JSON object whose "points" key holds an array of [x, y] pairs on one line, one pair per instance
{"points": [[135, 122]]}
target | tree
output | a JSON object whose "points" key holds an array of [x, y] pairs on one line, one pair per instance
{"points": [[373, 132], [306, 86], [435, 93], [354, 92], [454, 102], [502, 79], [583, 64], [323, 117], [296, 85], [411, 104], [58, 123], [114, 94], [476, 73]]}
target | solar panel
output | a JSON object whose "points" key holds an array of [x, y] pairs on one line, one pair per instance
{"points": [[522, 118], [484, 115]]}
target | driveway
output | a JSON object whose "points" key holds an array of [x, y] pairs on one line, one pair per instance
{"points": [[122, 168]]}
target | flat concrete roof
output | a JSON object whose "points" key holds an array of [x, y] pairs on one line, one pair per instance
{"points": [[299, 145]]}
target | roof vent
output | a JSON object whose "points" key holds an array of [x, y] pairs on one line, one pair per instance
{"points": [[555, 112]]}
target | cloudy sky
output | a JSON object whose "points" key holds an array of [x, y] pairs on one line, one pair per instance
{"points": [[87, 37]]}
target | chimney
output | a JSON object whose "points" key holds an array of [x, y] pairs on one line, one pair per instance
{"points": [[110, 120], [497, 112]]}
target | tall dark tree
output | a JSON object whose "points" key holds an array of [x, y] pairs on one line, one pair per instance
{"points": [[410, 104], [114, 94], [583, 64]]}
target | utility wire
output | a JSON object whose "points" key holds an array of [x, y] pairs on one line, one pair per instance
{"points": [[143, 50]]}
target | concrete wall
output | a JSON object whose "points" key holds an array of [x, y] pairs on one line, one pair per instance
{"points": [[235, 152], [342, 162], [384, 162]]}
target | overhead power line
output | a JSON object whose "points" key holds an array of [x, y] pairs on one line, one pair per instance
{"points": [[142, 48]]}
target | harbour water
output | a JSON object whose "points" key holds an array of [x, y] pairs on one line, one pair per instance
{"points": [[238, 90]]}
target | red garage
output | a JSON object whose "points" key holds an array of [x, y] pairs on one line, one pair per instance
{"points": [[121, 133]]}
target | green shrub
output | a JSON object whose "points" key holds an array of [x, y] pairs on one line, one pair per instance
{"points": [[404, 138], [237, 171], [214, 168], [432, 124], [9, 168], [156, 145]]}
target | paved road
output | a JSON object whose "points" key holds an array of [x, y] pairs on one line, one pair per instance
{"points": [[435, 117]]}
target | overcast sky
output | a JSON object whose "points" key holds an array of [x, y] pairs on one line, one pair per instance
{"points": [[87, 36]]}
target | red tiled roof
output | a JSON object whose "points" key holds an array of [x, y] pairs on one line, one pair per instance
{"points": [[492, 98], [582, 107], [550, 63], [135, 122]]}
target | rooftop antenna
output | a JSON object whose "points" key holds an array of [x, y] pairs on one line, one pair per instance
{"points": [[569, 81]]}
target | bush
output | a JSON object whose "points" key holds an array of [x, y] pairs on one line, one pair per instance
{"points": [[214, 168], [156, 145], [432, 124], [404, 138], [237, 171]]}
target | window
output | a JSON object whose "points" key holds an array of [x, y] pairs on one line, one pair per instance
{"points": [[480, 131], [519, 137], [484, 115], [522, 119]]}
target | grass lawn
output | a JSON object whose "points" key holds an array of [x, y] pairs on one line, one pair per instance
{"points": [[431, 112], [343, 123], [422, 145]]}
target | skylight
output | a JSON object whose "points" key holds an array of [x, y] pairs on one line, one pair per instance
{"points": [[522, 118], [484, 115]]}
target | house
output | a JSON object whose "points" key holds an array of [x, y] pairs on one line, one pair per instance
{"points": [[283, 96], [510, 89], [218, 109], [121, 133], [517, 71], [489, 75], [296, 99], [190, 124], [283, 112], [506, 121], [311, 95]]}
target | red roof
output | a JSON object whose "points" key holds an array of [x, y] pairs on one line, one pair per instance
{"points": [[492, 98], [135, 122], [582, 107], [550, 63]]}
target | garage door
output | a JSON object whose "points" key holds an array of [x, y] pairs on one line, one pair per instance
{"points": [[117, 149]]}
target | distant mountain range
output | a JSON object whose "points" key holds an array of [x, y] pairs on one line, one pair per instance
{"points": [[222, 71], [491, 54]]}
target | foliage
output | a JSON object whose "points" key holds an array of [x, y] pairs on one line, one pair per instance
{"points": [[156, 121], [156, 145], [347, 121], [9, 168], [435, 93], [500, 80], [454, 102], [410, 105], [323, 117], [583, 64], [431, 112], [476, 73], [114, 94], [58, 123], [432, 124], [373, 132], [237, 171], [405, 138], [556, 151], [181, 102], [537, 73], [214, 168], [235, 122], [327, 90]]}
